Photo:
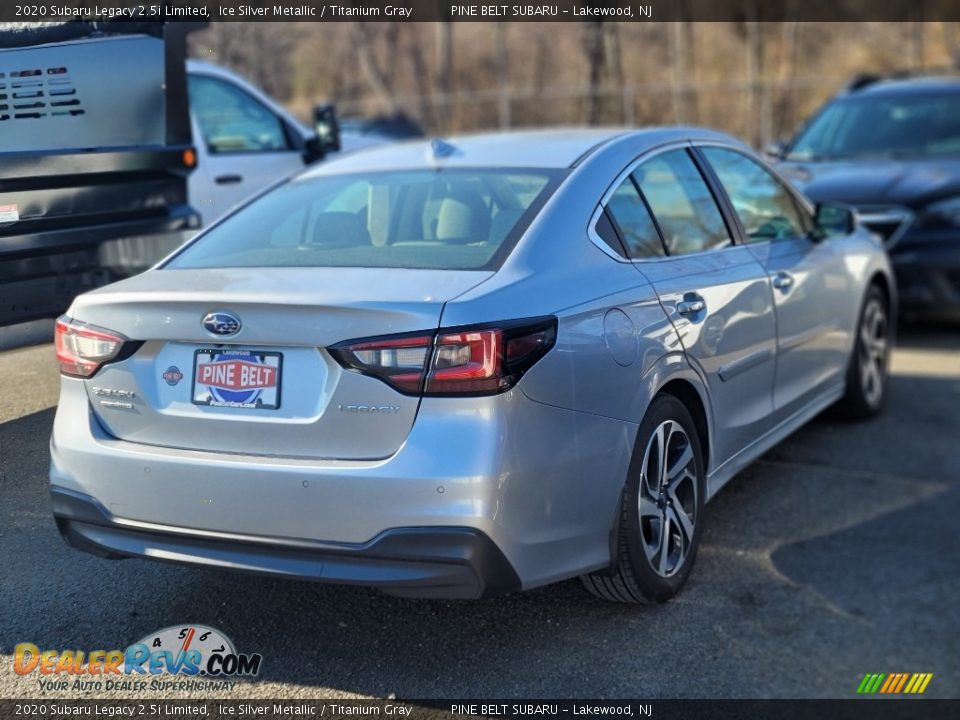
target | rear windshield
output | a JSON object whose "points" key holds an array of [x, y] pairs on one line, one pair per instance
{"points": [[438, 219]]}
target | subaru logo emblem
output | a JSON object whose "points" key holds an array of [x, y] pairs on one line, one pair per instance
{"points": [[221, 323]]}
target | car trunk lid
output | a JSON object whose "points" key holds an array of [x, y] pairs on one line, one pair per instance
{"points": [[271, 387]]}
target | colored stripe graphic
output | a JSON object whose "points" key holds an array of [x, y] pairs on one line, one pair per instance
{"points": [[870, 683], [894, 683]]}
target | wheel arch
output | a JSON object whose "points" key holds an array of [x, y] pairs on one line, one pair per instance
{"points": [[883, 282], [687, 393], [888, 285], [674, 377]]}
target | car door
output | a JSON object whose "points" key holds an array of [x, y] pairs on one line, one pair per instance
{"points": [[715, 293], [808, 279], [245, 145]]}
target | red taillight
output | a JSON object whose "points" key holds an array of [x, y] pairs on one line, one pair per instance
{"points": [[457, 361], [398, 360], [82, 349], [467, 362]]}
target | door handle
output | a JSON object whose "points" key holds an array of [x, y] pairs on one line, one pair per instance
{"points": [[783, 281], [691, 305], [228, 179]]}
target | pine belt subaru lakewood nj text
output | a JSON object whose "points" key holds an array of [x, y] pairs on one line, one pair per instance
{"points": [[468, 366]]}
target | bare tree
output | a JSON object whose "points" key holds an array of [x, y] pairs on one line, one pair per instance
{"points": [[678, 57], [915, 28], [789, 44], [420, 72], [260, 51], [381, 82], [615, 53], [951, 38], [445, 74], [596, 62], [758, 108], [503, 75]]}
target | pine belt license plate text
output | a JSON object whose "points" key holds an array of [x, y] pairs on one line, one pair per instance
{"points": [[237, 378]]}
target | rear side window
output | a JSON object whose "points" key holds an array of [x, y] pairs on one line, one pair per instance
{"points": [[606, 232], [682, 204], [633, 220], [442, 219]]}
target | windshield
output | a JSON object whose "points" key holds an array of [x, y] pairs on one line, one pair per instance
{"points": [[903, 126], [437, 219]]}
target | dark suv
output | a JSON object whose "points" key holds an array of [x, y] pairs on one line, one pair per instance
{"points": [[891, 148]]}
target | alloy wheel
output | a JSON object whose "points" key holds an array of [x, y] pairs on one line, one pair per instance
{"points": [[668, 498], [873, 352]]}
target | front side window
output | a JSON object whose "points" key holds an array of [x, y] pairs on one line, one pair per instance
{"points": [[766, 209], [682, 203], [633, 220], [233, 121], [439, 219]]}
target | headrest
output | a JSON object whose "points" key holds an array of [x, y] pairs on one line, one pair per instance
{"points": [[463, 216], [340, 229]]}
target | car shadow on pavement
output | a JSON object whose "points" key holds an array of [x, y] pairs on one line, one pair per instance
{"points": [[928, 336]]}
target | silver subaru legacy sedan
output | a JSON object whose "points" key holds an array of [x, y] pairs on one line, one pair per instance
{"points": [[468, 366]]}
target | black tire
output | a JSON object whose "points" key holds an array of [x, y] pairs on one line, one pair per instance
{"points": [[638, 575], [869, 362]]}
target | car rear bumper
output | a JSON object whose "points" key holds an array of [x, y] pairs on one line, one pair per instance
{"points": [[928, 278], [541, 484], [412, 562]]}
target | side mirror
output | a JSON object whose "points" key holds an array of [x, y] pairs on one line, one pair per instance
{"points": [[834, 219], [775, 150], [327, 127]]}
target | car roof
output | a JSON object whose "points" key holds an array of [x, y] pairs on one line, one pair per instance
{"points": [[553, 148], [919, 85]]}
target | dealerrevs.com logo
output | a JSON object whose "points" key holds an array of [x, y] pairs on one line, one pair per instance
{"points": [[180, 657]]}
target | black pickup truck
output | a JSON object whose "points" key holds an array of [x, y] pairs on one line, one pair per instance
{"points": [[95, 145]]}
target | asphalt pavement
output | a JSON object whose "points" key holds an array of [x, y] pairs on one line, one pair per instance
{"points": [[833, 556]]}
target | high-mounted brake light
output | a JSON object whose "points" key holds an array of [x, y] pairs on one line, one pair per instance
{"points": [[83, 349], [481, 360]]}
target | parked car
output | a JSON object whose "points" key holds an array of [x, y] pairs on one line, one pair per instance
{"points": [[890, 146], [468, 366]]}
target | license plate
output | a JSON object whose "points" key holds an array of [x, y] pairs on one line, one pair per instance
{"points": [[237, 378]]}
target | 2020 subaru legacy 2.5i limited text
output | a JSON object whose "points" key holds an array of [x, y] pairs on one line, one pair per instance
{"points": [[457, 368]]}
